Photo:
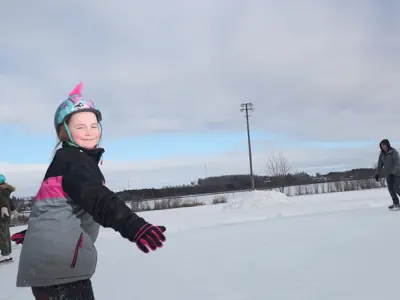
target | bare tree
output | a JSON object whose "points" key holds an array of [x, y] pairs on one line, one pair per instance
{"points": [[323, 187], [382, 182], [331, 187], [338, 186], [300, 190], [278, 168], [316, 188], [307, 189]]}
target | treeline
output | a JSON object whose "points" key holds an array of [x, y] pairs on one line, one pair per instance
{"points": [[22, 203], [232, 183], [279, 177]]}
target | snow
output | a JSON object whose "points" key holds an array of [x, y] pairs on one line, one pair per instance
{"points": [[259, 245]]}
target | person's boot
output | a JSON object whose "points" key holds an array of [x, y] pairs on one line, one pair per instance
{"points": [[394, 206], [5, 258]]}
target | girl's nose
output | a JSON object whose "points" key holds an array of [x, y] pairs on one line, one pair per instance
{"points": [[89, 131]]}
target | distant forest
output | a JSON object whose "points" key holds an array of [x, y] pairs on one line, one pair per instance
{"points": [[231, 183], [279, 176]]}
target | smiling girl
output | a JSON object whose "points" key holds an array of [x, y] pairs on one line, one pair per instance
{"points": [[58, 257]]}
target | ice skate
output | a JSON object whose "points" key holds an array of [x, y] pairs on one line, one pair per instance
{"points": [[394, 207], [5, 258]]}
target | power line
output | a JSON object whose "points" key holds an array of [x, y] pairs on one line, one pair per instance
{"points": [[249, 107]]}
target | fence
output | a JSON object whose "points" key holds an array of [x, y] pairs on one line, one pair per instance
{"points": [[332, 187], [294, 190], [21, 220]]}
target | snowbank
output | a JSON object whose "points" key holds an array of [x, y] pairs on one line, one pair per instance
{"points": [[257, 199], [329, 257]]}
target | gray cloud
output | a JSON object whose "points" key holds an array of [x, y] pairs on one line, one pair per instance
{"points": [[310, 68], [314, 70]]}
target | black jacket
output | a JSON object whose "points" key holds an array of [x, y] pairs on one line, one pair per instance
{"points": [[83, 182]]}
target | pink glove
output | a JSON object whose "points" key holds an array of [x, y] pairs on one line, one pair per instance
{"points": [[150, 237]]}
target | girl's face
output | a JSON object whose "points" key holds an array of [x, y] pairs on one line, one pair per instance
{"points": [[84, 129]]}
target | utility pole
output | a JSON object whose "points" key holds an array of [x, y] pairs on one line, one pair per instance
{"points": [[249, 107]]}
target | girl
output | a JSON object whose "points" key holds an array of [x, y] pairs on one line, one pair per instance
{"points": [[6, 209], [58, 257]]}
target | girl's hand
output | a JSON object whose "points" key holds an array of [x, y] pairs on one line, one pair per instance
{"points": [[150, 237]]}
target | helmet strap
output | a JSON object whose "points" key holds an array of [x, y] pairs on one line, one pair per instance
{"points": [[101, 134], [71, 140]]}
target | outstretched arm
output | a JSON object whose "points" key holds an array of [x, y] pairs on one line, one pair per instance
{"points": [[83, 185]]}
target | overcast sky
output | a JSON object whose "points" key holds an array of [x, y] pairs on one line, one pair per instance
{"points": [[169, 78]]}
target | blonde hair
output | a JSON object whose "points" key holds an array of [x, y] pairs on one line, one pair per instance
{"points": [[62, 136]]}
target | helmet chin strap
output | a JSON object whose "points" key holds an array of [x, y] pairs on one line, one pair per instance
{"points": [[71, 141], [101, 135]]}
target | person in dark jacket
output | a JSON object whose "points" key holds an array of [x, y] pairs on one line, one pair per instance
{"points": [[389, 168], [58, 256], [6, 209]]}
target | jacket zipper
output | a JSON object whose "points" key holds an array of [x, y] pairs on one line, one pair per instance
{"points": [[78, 245]]}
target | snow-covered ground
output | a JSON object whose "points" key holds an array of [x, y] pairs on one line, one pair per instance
{"points": [[261, 245]]}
